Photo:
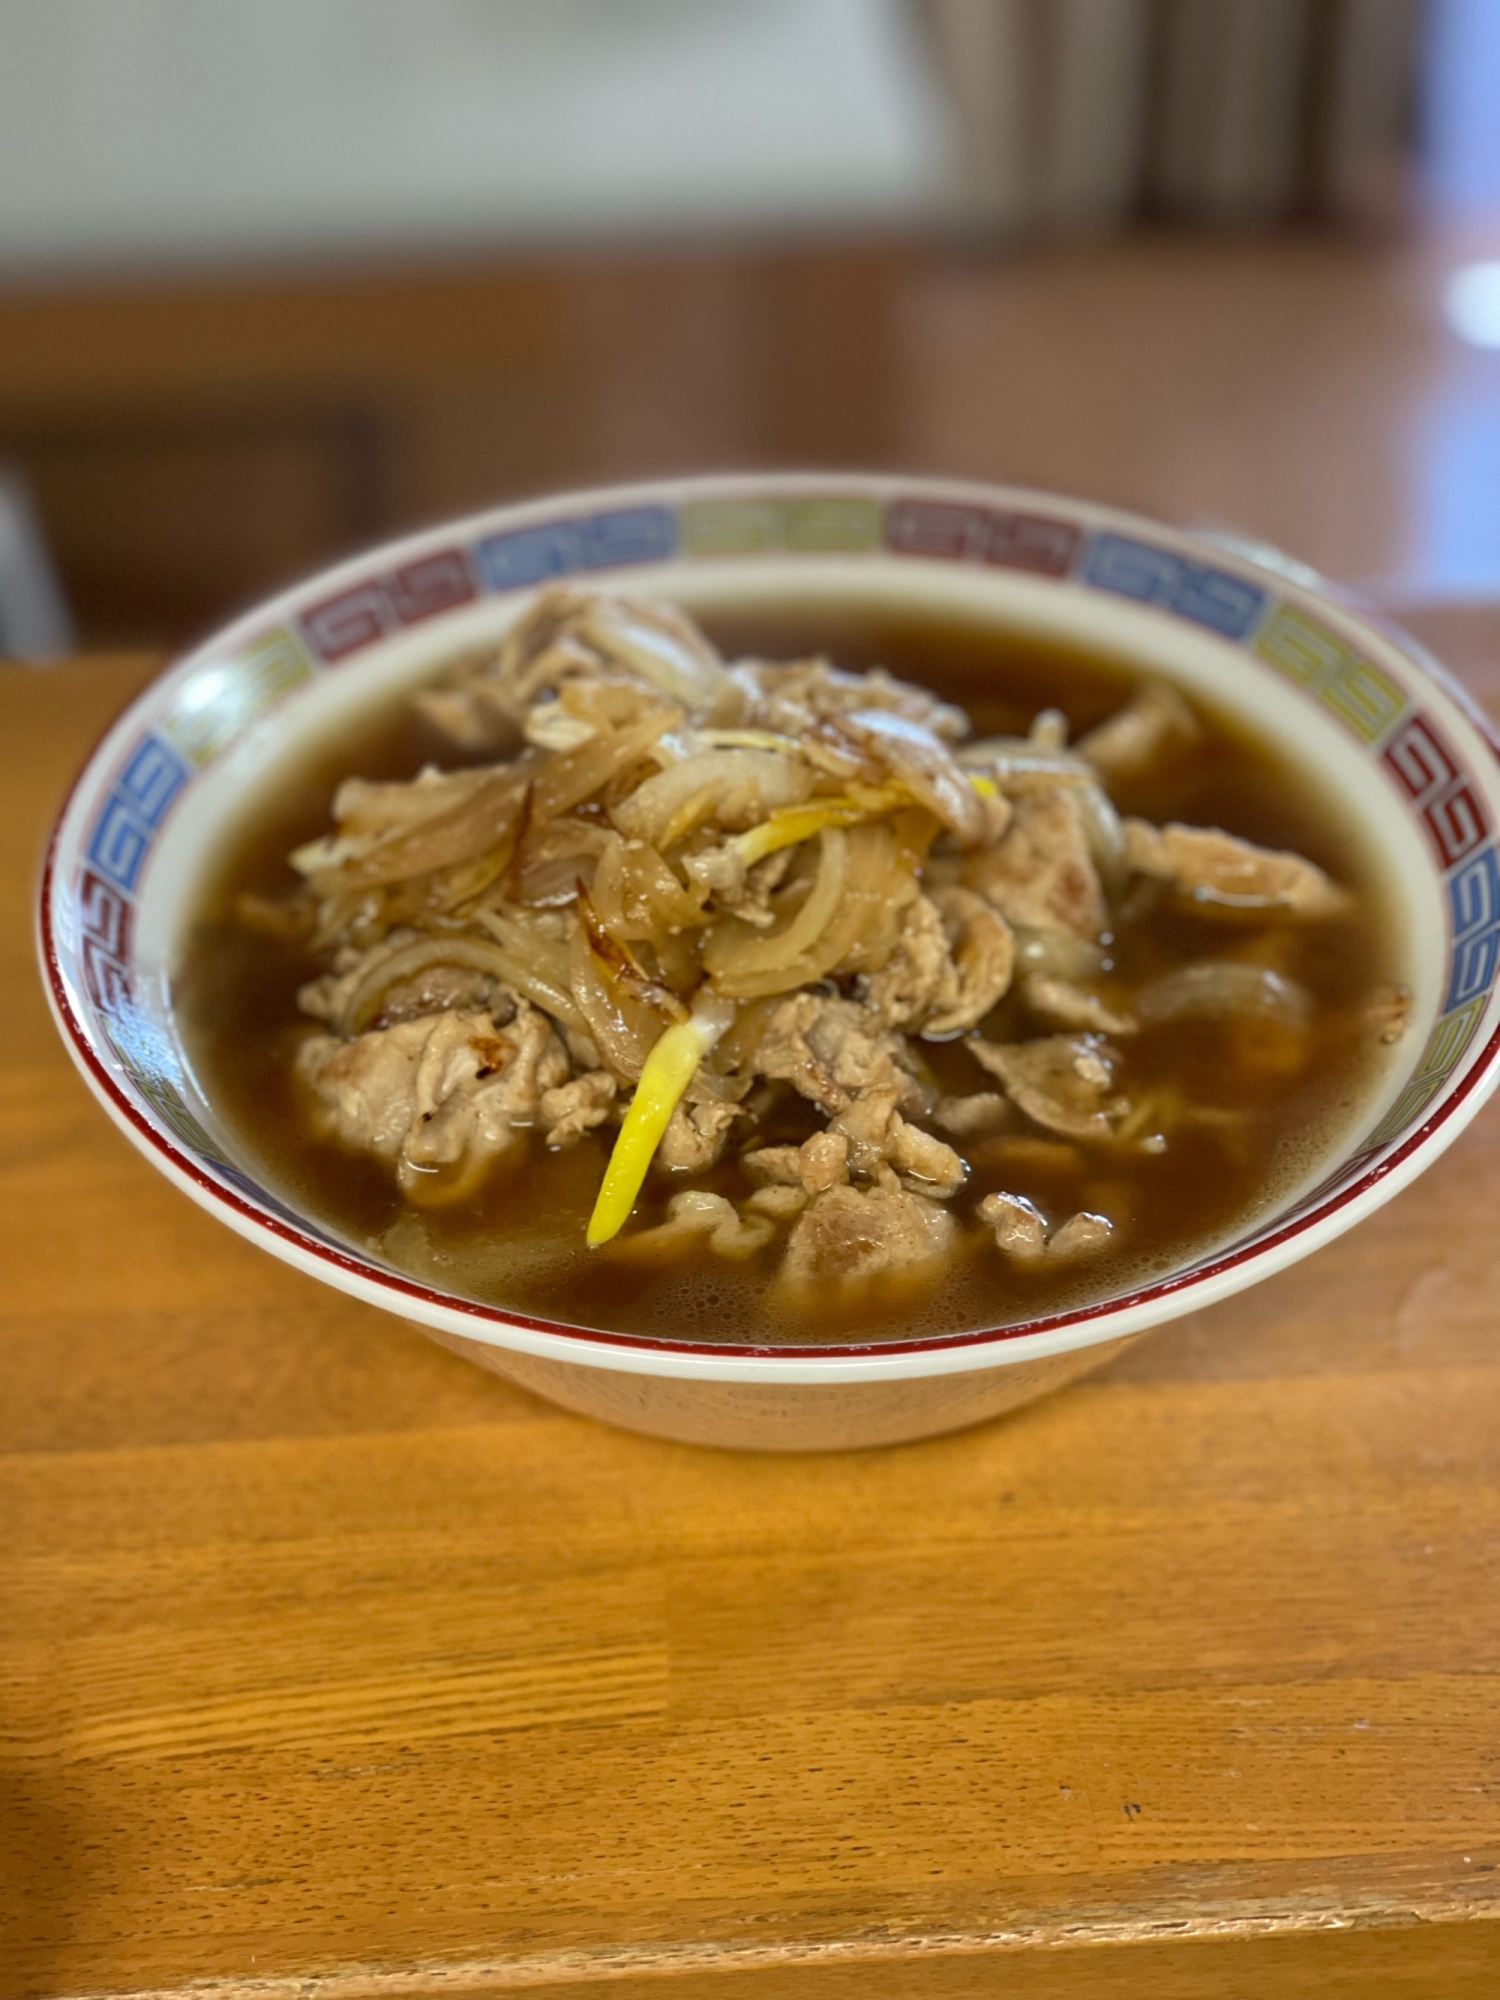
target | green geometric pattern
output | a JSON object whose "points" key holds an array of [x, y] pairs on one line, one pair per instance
{"points": [[1317, 659], [751, 527], [1446, 1045], [220, 700]]}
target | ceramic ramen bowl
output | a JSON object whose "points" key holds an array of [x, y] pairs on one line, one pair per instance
{"points": [[1355, 706]]}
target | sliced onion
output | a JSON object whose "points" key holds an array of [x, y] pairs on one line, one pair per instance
{"points": [[742, 960], [486, 819], [925, 766], [560, 783], [737, 786], [364, 1000], [533, 962]]}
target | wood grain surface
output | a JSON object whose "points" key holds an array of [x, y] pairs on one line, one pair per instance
{"points": [[329, 1665]]}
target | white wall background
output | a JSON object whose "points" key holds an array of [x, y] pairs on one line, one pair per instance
{"points": [[164, 131]]}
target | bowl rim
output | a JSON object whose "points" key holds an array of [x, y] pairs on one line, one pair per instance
{"points": [[1307, 1228]]}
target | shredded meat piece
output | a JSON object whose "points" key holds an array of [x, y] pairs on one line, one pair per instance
{"points": [[1018, 1225], [819, 1162], [918, 970], [828, 1049], [571, 1109], [774, 1166], [1042, 874], [695, 1135], [696, 1214], [1063, 1005], [1155, 722], [850, 1235], [983, 956], [951, 964], [1214, 870], [777, 1202], [824, 1161], [446, 1090], [1080, 1236], [875, 1133], [1022, 1234], [1225, 989], [972, 1117], [1062, 1082]]}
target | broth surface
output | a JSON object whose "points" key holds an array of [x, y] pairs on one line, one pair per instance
{"points": [[518, 1243]]}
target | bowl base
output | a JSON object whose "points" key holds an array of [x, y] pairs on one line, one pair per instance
{"points": [[785, 1416]]}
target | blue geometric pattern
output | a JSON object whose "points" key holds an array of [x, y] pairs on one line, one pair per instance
{"points": [[1473, 967], [628, 535], [530, 555], [1208, 596], [151, 780], [140, 795], [599, 541], [1474, 897], [118, 844], [1474, 892]]}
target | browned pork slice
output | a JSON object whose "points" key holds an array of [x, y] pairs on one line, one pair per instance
{"points": [[848, 1235], [443, 1091], [830, 1049], [974, 1116], [1214, 870], [1042, 875], [569, 1110], [876, 1135], [695, 1135], [951, 963], [918, 970], [1061, 1004], [1023, 1235], [1153, 724], [1062, 1082], [697, 1216], [818, 1163]]}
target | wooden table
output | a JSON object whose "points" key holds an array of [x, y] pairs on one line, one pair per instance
{"points": [[330, 1666]]}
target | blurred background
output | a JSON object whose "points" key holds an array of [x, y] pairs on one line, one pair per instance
{"points": [[278, 277]]}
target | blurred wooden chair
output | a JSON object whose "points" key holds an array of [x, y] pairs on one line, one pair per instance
{"points": [[35, 623]]}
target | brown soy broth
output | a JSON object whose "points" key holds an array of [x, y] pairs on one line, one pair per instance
{"points": [[518, 1243]]}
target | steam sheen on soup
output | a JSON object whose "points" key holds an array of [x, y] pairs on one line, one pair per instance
{"points": [[828, 975]]}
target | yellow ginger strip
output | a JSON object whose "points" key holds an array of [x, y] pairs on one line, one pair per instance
{"points": [[986, 787], [789, 824], [665, 1075]]}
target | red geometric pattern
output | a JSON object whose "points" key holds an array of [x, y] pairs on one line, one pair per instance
{"points": [[104, 917], [982, 534], [1456, 822], [367, 611], [1428, 772], [1419, 759]]}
